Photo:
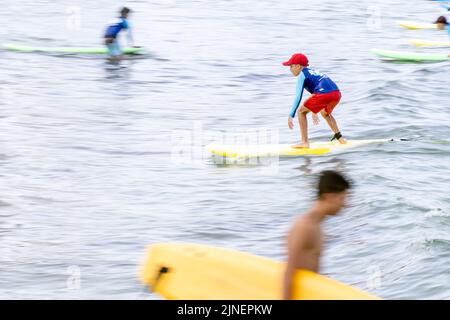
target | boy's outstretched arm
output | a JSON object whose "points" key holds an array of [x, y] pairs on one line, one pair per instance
{"points": [[298, 95], [130, 38], [129, 33], [297, 100]]}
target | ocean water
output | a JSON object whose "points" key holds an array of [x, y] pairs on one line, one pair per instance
{"points": [[90, 163]]}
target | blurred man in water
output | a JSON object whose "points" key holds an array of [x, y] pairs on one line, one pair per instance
{"points": [[305, 239]]}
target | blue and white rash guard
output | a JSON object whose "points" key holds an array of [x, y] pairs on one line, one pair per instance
{"points": [[116, 26], [314, 82]]}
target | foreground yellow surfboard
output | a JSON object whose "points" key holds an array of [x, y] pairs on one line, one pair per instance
{"points": [[416, 25], [284, 150], [200, 272], [428, 43]]}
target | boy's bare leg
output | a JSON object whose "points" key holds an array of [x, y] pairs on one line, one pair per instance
{"points": [[332, 124], [303, 123]]}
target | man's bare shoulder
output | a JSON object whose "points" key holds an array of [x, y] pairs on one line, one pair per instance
{"points": [[305, 223], [303, 227]]}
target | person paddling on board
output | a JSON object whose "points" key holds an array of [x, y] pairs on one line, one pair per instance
{"points": [[113, 30], [305, 238], [442, 24], [325, 96]]}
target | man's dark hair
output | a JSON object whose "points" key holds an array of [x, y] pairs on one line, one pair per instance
{"points": [[442, 19], [124, 11], [332, 182]]}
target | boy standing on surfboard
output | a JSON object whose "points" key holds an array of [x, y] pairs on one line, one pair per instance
{"points": [[111, 42], [325, 96], [304, 240]]}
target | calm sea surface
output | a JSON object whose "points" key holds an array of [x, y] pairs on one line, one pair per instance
{"points": [[87, 166]]}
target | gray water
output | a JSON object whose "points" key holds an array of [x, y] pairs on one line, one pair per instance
{"points": [[86, 161]]}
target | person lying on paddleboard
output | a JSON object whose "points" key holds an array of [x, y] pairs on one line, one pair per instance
{"points": [[113, 30], [305, 239], [442, 24], [325, 96]]}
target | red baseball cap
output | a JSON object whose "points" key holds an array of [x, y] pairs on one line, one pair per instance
{"points": [[297, 58]]}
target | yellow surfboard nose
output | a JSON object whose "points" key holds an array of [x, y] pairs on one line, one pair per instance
{"points": [[200, 272], [416, 25]]}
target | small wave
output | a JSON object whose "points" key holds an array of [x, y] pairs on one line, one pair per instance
{"points": [[437, 212], [256, 76], [5, 204], [437, 244]]}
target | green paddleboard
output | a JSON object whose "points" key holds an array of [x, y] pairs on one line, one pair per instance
{"points": [[410, 56], [82, 50]]}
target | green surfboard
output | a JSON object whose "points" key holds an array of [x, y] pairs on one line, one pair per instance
{"points": [[80, 50], [410, 56]]}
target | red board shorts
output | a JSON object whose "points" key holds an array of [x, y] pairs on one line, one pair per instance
{"points": [[319, 101]]}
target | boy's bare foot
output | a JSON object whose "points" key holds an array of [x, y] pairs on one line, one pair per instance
{"points": [[304, 145], [342, 141]]}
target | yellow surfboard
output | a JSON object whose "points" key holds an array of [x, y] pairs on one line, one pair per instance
{"points": [[416, 25], [284, 150], [428, 43], [199, 272]]}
